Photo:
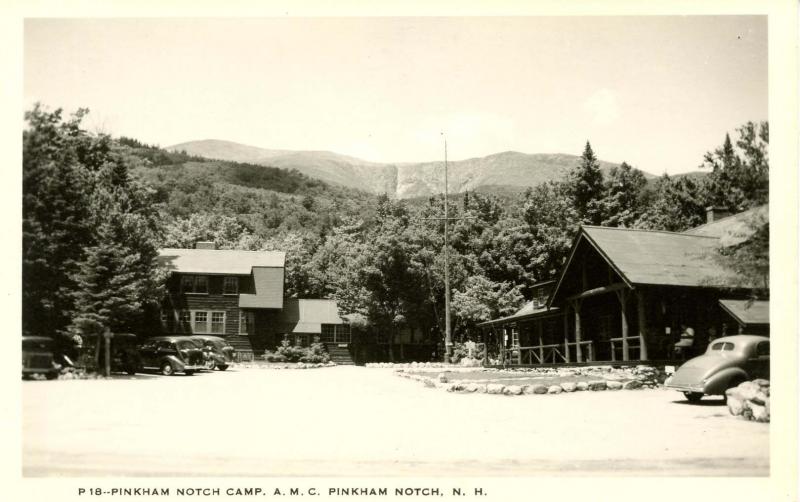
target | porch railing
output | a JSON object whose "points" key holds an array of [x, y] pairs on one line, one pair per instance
{"points": [[536, 354], [618, 344]]}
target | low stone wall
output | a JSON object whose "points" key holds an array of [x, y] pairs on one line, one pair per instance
{"points": [[597, 378], [286, 366], [750, 400]]}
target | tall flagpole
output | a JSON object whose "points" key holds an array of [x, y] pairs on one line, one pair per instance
{"points": [[448, 342]]}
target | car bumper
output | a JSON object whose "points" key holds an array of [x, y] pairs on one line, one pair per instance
{"points": [[685, 388], [194, 367]]}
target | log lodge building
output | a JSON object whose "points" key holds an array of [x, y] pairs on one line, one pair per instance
{"points": [[625, 295]]}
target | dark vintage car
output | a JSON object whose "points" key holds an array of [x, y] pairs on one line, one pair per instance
{"points": [[170, 355], [37, 357], [217, 351], [727, 362]]}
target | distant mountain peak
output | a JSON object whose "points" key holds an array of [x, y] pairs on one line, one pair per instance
{"points": [[402, 180]]}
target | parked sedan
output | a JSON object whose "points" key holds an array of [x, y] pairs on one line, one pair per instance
{"points": [[217, 351], [171, 354], [37, 357], [727, 362]]}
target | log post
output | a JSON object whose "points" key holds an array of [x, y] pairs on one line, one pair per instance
{"points": [[642, 325], [485, 347], [566, 332], [622, 296], [578, 351], [541, 349]]}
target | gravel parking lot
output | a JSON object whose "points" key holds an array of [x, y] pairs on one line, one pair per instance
{"points": [[347, 421]]}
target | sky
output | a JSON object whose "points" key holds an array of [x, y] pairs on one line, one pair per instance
{"points": [[657, 92]]}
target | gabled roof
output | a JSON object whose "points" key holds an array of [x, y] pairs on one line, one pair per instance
{"points": [[308, 315], [218, 261], [268, 282], [747, 312], [733, 229], [660, 258]]}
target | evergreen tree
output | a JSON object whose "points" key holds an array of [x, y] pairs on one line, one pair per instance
{"points": [[585, 186], [55, 217], [89, 232]]}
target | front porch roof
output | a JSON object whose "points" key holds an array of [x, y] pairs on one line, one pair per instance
{"points": [[747, 312], [527, 312]]}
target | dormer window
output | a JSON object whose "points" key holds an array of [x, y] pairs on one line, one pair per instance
{"points": [[231, 286]]}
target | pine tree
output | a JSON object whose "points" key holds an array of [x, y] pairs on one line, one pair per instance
{"points": [[585, 186]]}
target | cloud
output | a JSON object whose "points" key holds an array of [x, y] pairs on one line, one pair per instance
{"points": [[603, 107]]}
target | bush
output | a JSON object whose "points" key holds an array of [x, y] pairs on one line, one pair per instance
{"points": [[316, 353]]}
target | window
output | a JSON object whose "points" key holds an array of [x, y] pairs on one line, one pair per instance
{"points": [[200, 322], [231, 286], [194, 284], [218, 322], [165, 318], [187, 283], [762, 349], [245, 322], [328, 332], [185, 321]]}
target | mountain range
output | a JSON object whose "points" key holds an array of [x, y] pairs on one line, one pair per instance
{"points": [[508, 171]]}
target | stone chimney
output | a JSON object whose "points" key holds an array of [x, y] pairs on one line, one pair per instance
{"points": [[715, 213], [205, 245]]}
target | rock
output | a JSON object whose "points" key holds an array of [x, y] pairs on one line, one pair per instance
{"points": [[760, 398], [597, 385], [512, 390], [633, 384], [613, 377], [471, 387], [428, 383], [480, 388], [554, 389], [582, 386], [748, 390], [758, 413], [613, 385], [540, 389], [569, 386], [735, 405], [495, 388], [453, 387]]}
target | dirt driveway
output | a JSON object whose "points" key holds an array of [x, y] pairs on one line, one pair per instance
{"points": [[348, 421]]}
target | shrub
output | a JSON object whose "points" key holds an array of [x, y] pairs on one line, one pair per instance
{"points": [[316, 353]]}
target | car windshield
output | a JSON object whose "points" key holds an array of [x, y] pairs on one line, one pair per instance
{"points": [[186, 344], [722, 346]]}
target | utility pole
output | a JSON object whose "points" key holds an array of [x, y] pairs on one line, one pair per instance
{"points": [[448, 342]]}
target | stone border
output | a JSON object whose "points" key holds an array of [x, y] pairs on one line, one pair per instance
{"points": [[286, 366], [598, 378]]}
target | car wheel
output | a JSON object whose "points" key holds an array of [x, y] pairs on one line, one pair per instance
{"points": [[167, 369], [188, 372], [210, 364], [222, 367], [693, 397]]}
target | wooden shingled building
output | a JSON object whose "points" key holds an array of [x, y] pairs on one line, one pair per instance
{"points": [[627, 294]]}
